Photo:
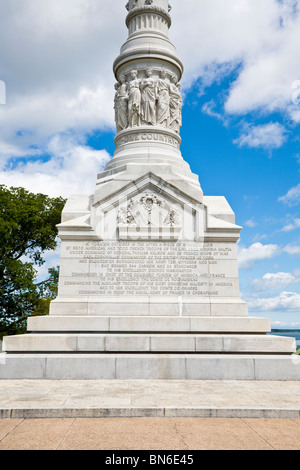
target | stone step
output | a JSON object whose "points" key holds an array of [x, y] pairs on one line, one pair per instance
{"points": [[149, 367], [139, 306], [148, 324], [147, 343]]}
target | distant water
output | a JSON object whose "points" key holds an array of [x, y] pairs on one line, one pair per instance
{"points": [[289, 333]]}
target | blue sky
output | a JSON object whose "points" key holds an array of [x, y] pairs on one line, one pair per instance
{"points": [[253, 177], [241, 117]]}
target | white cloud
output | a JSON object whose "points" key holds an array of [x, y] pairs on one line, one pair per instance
{"points": [[292, 226], [268, 136], [209, 109], [71, 169], [294, 112], [267, 77], [256, 252], [227, 32], [33, 119], [292, 249], [250, 223], [292, 198], [286, 301], [274, 281], [56, 60], [247, 257], [260, 39], [2, 92], [259, 236], [59, 83], [59, 46]]}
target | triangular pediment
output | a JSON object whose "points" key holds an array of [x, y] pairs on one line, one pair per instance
{"points": [[120, 191], [148, 208]]}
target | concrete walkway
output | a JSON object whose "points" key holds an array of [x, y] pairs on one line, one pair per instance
{"points": [[145, 398], [149, 415]]}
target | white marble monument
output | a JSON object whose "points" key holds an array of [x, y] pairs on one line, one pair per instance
{"points": [[149, 285]]}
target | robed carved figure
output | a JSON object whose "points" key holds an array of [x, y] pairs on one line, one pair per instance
{"points": [[148, 89], [121, 104], [175, 105], [163, 104], [134, 100]]}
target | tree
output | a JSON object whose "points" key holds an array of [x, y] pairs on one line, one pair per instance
{"points": [[48, 291], [27, 230]]}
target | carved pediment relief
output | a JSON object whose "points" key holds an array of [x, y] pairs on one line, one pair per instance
{"points": [[148, 210], [149, 216]]}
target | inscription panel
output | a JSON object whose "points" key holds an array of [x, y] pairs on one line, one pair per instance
{"points": [[147, 137], [148, 269]]}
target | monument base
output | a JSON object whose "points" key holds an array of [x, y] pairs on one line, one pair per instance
{"points": [[149, 366], [149, 289], [149, 347]]}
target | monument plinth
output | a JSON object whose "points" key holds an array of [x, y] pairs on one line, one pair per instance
{"points": [[149, 284]]}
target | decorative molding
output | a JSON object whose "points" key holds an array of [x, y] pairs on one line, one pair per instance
{"points": [[145, 22], [138, 10]]}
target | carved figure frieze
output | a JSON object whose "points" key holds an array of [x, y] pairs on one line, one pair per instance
{"points": [[148, 100], [149, 210]]}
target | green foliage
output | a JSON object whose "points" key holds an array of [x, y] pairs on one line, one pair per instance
{"points": [[48, 292], [27, 229]]}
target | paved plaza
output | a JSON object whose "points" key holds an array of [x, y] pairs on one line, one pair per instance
{"points": [[180, 434], [145, 398]]}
